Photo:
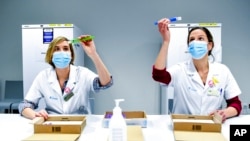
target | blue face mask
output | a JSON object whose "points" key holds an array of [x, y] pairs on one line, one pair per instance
{"points": [[61, 59], [197, 49]]}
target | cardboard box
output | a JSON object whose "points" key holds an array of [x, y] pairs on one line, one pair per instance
{"points": [[197, 127], [58, 127], [131, 118]]}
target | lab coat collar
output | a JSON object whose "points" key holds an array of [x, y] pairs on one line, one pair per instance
{"points": [[52, 79], [73, 78], [212, 73], [73, 74], [192, 72]]}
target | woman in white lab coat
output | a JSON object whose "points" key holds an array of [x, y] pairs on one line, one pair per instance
{"points": [[65, 87], [200, 86]]}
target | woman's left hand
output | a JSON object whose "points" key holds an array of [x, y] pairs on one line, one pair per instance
{"points": [[221, 113]]}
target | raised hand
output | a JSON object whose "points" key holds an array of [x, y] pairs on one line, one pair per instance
{"points": [[163, 29]]}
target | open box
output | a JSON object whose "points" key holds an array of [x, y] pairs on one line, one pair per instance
{"points": [[131, 118], [197, 127], [58, 127]]}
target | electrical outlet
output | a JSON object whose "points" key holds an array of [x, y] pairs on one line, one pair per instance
{"points": [[244, 105]]}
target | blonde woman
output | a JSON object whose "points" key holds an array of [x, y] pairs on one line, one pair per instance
{"points": [[64, 86]]}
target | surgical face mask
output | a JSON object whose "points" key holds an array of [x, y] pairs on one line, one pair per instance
{"points": [[197, 49], [61, 59]]}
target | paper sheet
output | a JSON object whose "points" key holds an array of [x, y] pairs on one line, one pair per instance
{"points": [[62, 123]]}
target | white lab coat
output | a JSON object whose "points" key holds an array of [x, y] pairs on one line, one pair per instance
{"points": [[191, 96], [46, 86]]}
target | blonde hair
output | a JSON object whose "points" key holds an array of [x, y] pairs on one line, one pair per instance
{"points": [[51, 50]]}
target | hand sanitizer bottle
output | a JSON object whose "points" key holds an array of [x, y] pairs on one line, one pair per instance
{"points": [[117, 124]]}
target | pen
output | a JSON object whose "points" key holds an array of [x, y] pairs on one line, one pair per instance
{"points": [[221, 91], [76, 40], [171, 20]]}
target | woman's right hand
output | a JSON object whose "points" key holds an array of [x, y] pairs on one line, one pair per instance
{"points": [[163, 29], [42, 113]]}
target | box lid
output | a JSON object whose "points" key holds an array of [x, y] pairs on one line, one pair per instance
{"points": [[134, 133], [198, 136], [53, 137]]}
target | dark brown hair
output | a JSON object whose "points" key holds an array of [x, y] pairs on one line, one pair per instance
{"points": [[207, 32]]}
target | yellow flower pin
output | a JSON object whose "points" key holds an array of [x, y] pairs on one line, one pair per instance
{"points": [[215, 80]]}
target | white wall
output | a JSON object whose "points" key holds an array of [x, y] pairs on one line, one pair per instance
{"points": [[127, 40]]}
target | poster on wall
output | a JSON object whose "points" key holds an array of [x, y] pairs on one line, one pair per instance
{"points": [[47, 35]]}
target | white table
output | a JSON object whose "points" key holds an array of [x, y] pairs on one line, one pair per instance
{"points": [[15, 128]]}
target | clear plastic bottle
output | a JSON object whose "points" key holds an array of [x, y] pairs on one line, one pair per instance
{"points": [[117, 124]]}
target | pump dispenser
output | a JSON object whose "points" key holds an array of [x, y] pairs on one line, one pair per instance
{"points": [[117, 124]]}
